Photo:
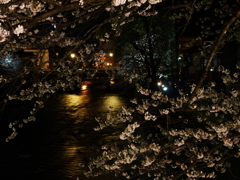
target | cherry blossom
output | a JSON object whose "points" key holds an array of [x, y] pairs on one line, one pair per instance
{"points": [[163, 137], [19, 30], [4, 1], [3, 34]]}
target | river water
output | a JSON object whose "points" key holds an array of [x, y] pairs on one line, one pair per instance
{"points": [[61, 140]]}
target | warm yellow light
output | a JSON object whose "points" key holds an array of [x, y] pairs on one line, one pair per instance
{"points": [[112, 81], [111, 54], [73, 100], [72, 55], [84, 87], [113, 101]]}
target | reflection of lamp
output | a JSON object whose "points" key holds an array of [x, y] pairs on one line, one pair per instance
{"points": [[111, 54], [73, 100], [72, 55]]}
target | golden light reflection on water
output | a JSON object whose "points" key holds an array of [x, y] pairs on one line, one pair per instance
{"points": [[73, 100], [83, 108], [113, 101], [71, 151], [74, 161]]}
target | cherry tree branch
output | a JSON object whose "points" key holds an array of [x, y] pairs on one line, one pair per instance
{"points": [[60, 9], [213, 52], [17, 2], [42, 16]]}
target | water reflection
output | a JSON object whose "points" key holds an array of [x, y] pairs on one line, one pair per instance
{"points": [[61, 139], [77, 127], [113, 101], [72, 100], [82, 110]]}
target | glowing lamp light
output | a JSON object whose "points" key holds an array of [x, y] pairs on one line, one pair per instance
{"points": [[72, 55], [159, 83], [165, 88], [84, 87], [111, 54], [112, 81]]}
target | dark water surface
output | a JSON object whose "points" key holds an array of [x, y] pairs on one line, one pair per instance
{"points": [[61, 140]]}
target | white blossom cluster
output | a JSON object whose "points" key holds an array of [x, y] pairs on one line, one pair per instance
{"points": [[4, 1], [68, 77], [129, 130], [146, 10], [3, 34], [18, 30], [118, 2], [81, 2], [180, 139], [163, 137]]}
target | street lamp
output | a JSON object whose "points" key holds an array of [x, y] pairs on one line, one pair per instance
{"points": [[72, 55], [84, 87]]}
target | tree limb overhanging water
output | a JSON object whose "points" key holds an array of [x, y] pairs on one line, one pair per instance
{"points": [[166, 134]]}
